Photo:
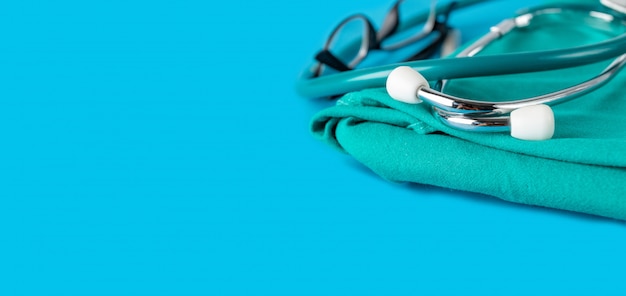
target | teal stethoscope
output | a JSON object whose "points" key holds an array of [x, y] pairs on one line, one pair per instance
{"points": [[527, 119]]}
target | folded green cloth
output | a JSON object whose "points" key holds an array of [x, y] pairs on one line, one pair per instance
{"points": [[583, 168]]}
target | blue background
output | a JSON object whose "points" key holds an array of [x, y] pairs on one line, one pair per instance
{"points": [[159, 148]]}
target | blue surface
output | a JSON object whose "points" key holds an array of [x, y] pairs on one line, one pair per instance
{"points": [[158, 148]]}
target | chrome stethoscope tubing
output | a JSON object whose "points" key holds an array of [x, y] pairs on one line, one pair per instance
{"points": [[455, 105]]}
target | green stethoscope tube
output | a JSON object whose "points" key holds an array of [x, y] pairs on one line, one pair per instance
{"points": [[464, 67]]}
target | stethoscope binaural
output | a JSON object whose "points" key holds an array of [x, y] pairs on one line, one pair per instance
{"points": [[529, 119]]}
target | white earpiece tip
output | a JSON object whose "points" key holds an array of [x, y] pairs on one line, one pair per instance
{"points": [[403, 83], [533, 123]]}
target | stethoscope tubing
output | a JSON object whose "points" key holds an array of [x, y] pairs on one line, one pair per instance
{"points": [[463, 67]]}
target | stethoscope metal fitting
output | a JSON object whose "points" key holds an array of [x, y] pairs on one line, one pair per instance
{"points": [[527, 119]]}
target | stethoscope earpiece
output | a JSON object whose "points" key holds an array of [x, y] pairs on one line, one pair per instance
{"points": [[403, 83], [532, 123]]}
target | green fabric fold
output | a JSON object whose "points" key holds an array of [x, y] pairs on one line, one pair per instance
{"points": [[582, 169], [409, 145]]}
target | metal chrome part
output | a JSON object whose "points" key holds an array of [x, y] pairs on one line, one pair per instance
{"points": [[478, 115], [460, 106], [473, 123]]}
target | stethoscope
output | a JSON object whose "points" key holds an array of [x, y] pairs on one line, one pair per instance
{"points": [[529, 118]]}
